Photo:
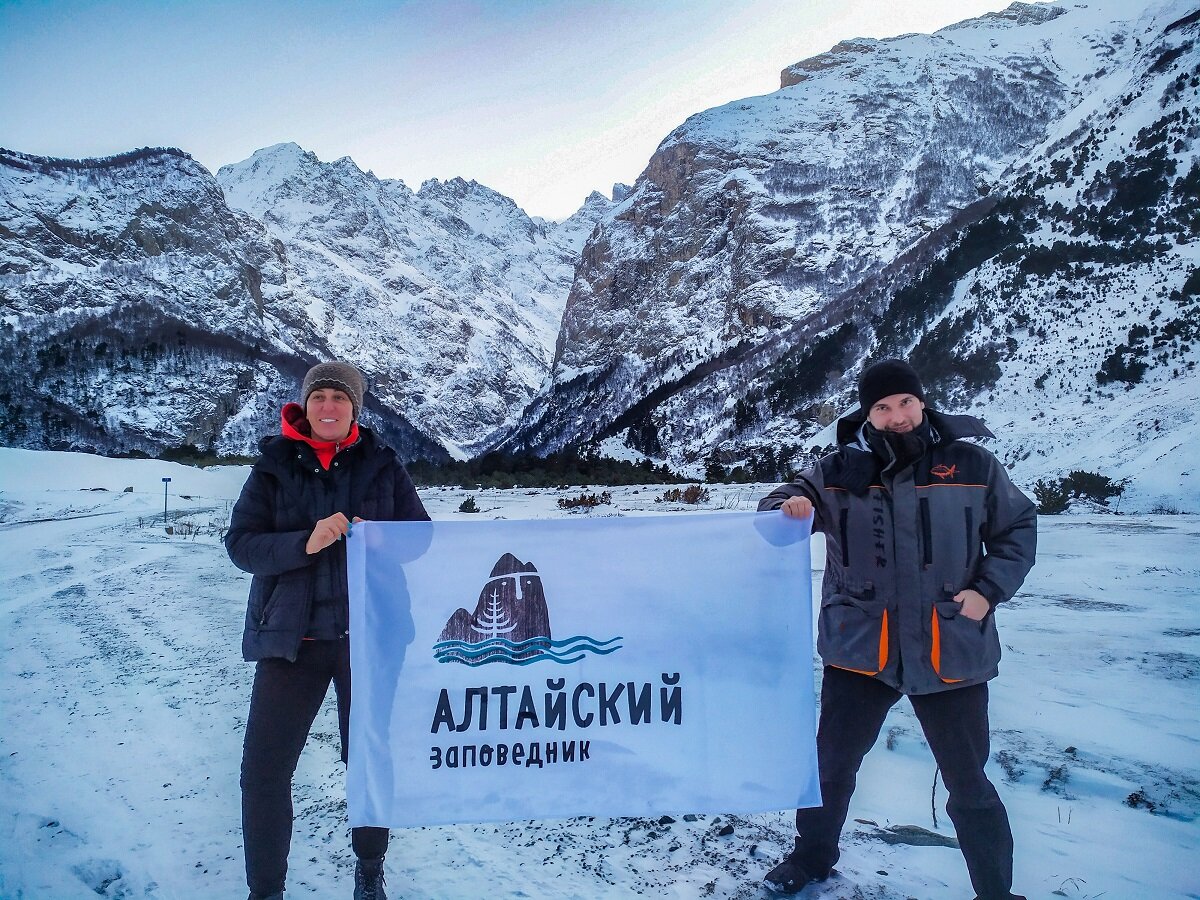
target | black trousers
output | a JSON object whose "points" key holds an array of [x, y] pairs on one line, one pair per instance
{"points": [[283, 705], [955, 723]]}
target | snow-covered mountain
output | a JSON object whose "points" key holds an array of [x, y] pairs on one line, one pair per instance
{"points": [[449, 296], [908, 195], [140, 311], [1011, 200], [148, 305]]}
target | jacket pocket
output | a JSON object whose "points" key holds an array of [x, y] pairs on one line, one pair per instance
{"points": [[291, 589], [853, 634], [962, 648], [262, 588]]}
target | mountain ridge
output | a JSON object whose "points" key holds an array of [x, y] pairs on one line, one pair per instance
{"points": [[936, 196], [704, 408]]}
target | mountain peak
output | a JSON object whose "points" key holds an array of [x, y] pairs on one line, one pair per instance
{"points": [[1015, 15], [841, 54], [287, 151], [268, 164], [456, 187]]}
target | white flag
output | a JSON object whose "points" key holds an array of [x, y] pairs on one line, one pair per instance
{"points": [[507, 670]]}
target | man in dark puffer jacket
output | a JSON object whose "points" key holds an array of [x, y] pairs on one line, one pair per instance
{"points": [[925, 535], [324, 472]]}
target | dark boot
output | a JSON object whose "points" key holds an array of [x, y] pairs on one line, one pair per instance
{"points": [[254, 896], [368, 879], [790, 876]]}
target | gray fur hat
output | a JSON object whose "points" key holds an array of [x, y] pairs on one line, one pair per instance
{"points": [[340, 376]]}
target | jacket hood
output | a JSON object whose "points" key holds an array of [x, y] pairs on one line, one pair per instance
{"points": [[947, 427], [294, 427]]}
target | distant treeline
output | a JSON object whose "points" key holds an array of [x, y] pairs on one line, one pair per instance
{"points": [[573, 467], [569, 468]]}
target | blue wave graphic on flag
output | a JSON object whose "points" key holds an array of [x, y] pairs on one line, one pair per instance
{"points": [[500, 650]]}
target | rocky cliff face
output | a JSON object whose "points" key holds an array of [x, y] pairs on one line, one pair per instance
{"points": [[140, 311], [449, 296], [766, 249], [148, 305], [1069, 314]]}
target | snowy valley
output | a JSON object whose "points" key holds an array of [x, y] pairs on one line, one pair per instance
{"points": [[125, 699]]}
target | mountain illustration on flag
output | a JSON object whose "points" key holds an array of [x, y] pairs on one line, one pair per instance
{"points": [[511, 624]]}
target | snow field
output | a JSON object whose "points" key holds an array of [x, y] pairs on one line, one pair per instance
{"points": [[125, 696]]}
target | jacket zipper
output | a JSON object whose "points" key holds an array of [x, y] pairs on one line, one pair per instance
{"points": [[926, 533]]}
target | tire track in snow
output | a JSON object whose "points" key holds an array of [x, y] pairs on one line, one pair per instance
{"points": [[102, 650]]}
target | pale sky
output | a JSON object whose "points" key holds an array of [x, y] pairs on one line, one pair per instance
{"points": [[543, 101]]}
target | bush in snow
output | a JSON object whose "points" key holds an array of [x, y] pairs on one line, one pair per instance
{"points": [[584, 501], [1052, 497]]}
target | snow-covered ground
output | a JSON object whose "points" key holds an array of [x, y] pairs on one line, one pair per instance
{"points": [[124, 697]]}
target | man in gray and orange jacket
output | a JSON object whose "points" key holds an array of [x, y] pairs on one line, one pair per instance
{"points": [[925, 536]]}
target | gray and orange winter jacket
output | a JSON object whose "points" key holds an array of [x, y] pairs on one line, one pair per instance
{"points": [[902, 537]]}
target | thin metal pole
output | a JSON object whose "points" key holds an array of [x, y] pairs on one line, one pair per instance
{"points": [[166, 482]]}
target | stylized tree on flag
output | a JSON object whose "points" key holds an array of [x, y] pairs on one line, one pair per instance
{"points": [[494, 621]]}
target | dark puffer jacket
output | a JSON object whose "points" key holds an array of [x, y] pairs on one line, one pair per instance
{"points": [[901, 541], [294, 595]]}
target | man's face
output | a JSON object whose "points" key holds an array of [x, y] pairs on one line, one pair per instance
{"points": [[897, 413]]}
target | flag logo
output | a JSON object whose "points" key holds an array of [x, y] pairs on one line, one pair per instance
{"points": [[511, 624]]}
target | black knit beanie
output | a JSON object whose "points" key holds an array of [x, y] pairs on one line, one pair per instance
{"points": [[887, 377], [340, 376]]}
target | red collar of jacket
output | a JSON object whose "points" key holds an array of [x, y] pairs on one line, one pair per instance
{"points": [[295, 427]]}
